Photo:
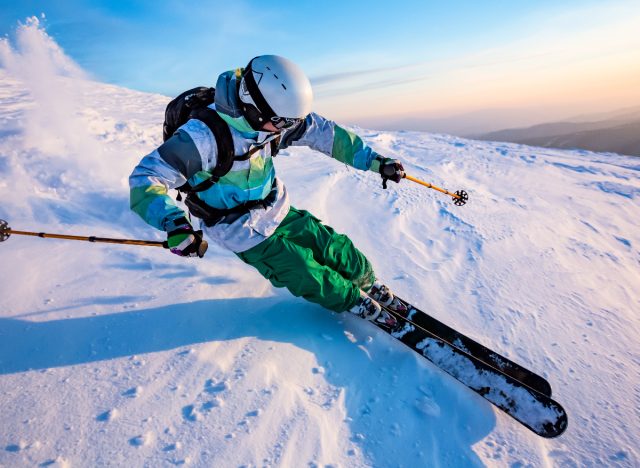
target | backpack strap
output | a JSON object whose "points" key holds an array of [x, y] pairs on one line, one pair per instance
{"points": [[275, 146], [224, 142], [222, 134]]}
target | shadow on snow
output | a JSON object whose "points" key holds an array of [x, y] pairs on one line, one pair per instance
{"points": [[410, 411]]}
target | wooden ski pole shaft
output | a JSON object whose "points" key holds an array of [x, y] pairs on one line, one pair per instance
{"points": [[6, 231], [431, 186], [459, 198]]}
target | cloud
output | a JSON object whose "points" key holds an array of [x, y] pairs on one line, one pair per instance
{"points": [[357, 81], [339, 77]]}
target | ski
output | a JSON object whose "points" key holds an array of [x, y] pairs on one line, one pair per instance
{"points": [[533, 409], [481, 352]]}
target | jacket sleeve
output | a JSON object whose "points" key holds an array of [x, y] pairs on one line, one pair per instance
{"points": [[165, 168], [329, 138]]}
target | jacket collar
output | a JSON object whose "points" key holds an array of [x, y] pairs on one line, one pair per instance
{"points": [[228, 104]]}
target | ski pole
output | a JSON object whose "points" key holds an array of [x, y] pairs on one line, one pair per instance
{"points": [[6, 231], [459, 198]]}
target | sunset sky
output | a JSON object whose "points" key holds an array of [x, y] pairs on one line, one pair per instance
{"points": [[371, 63]]}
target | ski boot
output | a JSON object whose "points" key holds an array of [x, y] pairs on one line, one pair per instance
{"points": [[369, 309], [383, 295]]}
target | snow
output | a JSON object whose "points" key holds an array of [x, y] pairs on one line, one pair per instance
{"points": [[130, 356]]}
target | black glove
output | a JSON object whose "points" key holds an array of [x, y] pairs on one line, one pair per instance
{"points": [[390, 169], [186, 242]]}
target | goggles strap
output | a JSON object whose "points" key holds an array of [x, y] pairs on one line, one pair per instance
{"points": [[261, 103]]}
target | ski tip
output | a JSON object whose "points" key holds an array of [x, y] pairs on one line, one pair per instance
{"points": [[557, 428]]}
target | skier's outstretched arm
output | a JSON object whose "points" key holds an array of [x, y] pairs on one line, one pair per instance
{"points": [[341, 144], [165, 168]]}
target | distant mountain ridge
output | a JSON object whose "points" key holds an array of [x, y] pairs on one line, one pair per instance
{"points": [[616, 132], [624, 114]]}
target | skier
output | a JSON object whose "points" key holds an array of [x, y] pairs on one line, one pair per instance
{"points": [[245, 208]]}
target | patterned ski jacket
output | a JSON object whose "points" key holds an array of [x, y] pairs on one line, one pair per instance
{"points": [[191, 153]]}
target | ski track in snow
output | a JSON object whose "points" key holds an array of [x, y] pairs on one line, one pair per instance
{"points": [[129, 356]]}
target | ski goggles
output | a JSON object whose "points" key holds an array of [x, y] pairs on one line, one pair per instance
{"points": [[257, 119], [283, 123]]}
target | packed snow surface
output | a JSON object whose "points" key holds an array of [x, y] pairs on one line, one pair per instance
{"points": [[130, 356]]}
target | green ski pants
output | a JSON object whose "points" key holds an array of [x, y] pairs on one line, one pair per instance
{"points": [[313, 261]]}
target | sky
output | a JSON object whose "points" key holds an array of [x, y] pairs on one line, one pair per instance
{"points": [[431, 65]]}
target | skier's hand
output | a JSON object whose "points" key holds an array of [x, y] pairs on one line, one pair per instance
{"points": [[391, 169], [186, 242]]}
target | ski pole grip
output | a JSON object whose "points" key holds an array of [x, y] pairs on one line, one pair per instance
{"points": [[202, 249]]}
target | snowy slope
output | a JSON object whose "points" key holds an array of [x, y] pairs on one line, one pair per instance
{"points": [[130, 356]]}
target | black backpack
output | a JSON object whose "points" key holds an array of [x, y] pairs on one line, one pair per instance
{"points": [[192, 104]]}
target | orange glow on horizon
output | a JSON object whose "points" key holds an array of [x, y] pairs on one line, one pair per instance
{"points": [[560, 67]]}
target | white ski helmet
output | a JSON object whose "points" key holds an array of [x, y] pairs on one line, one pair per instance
{"points": [[274, 89]]}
